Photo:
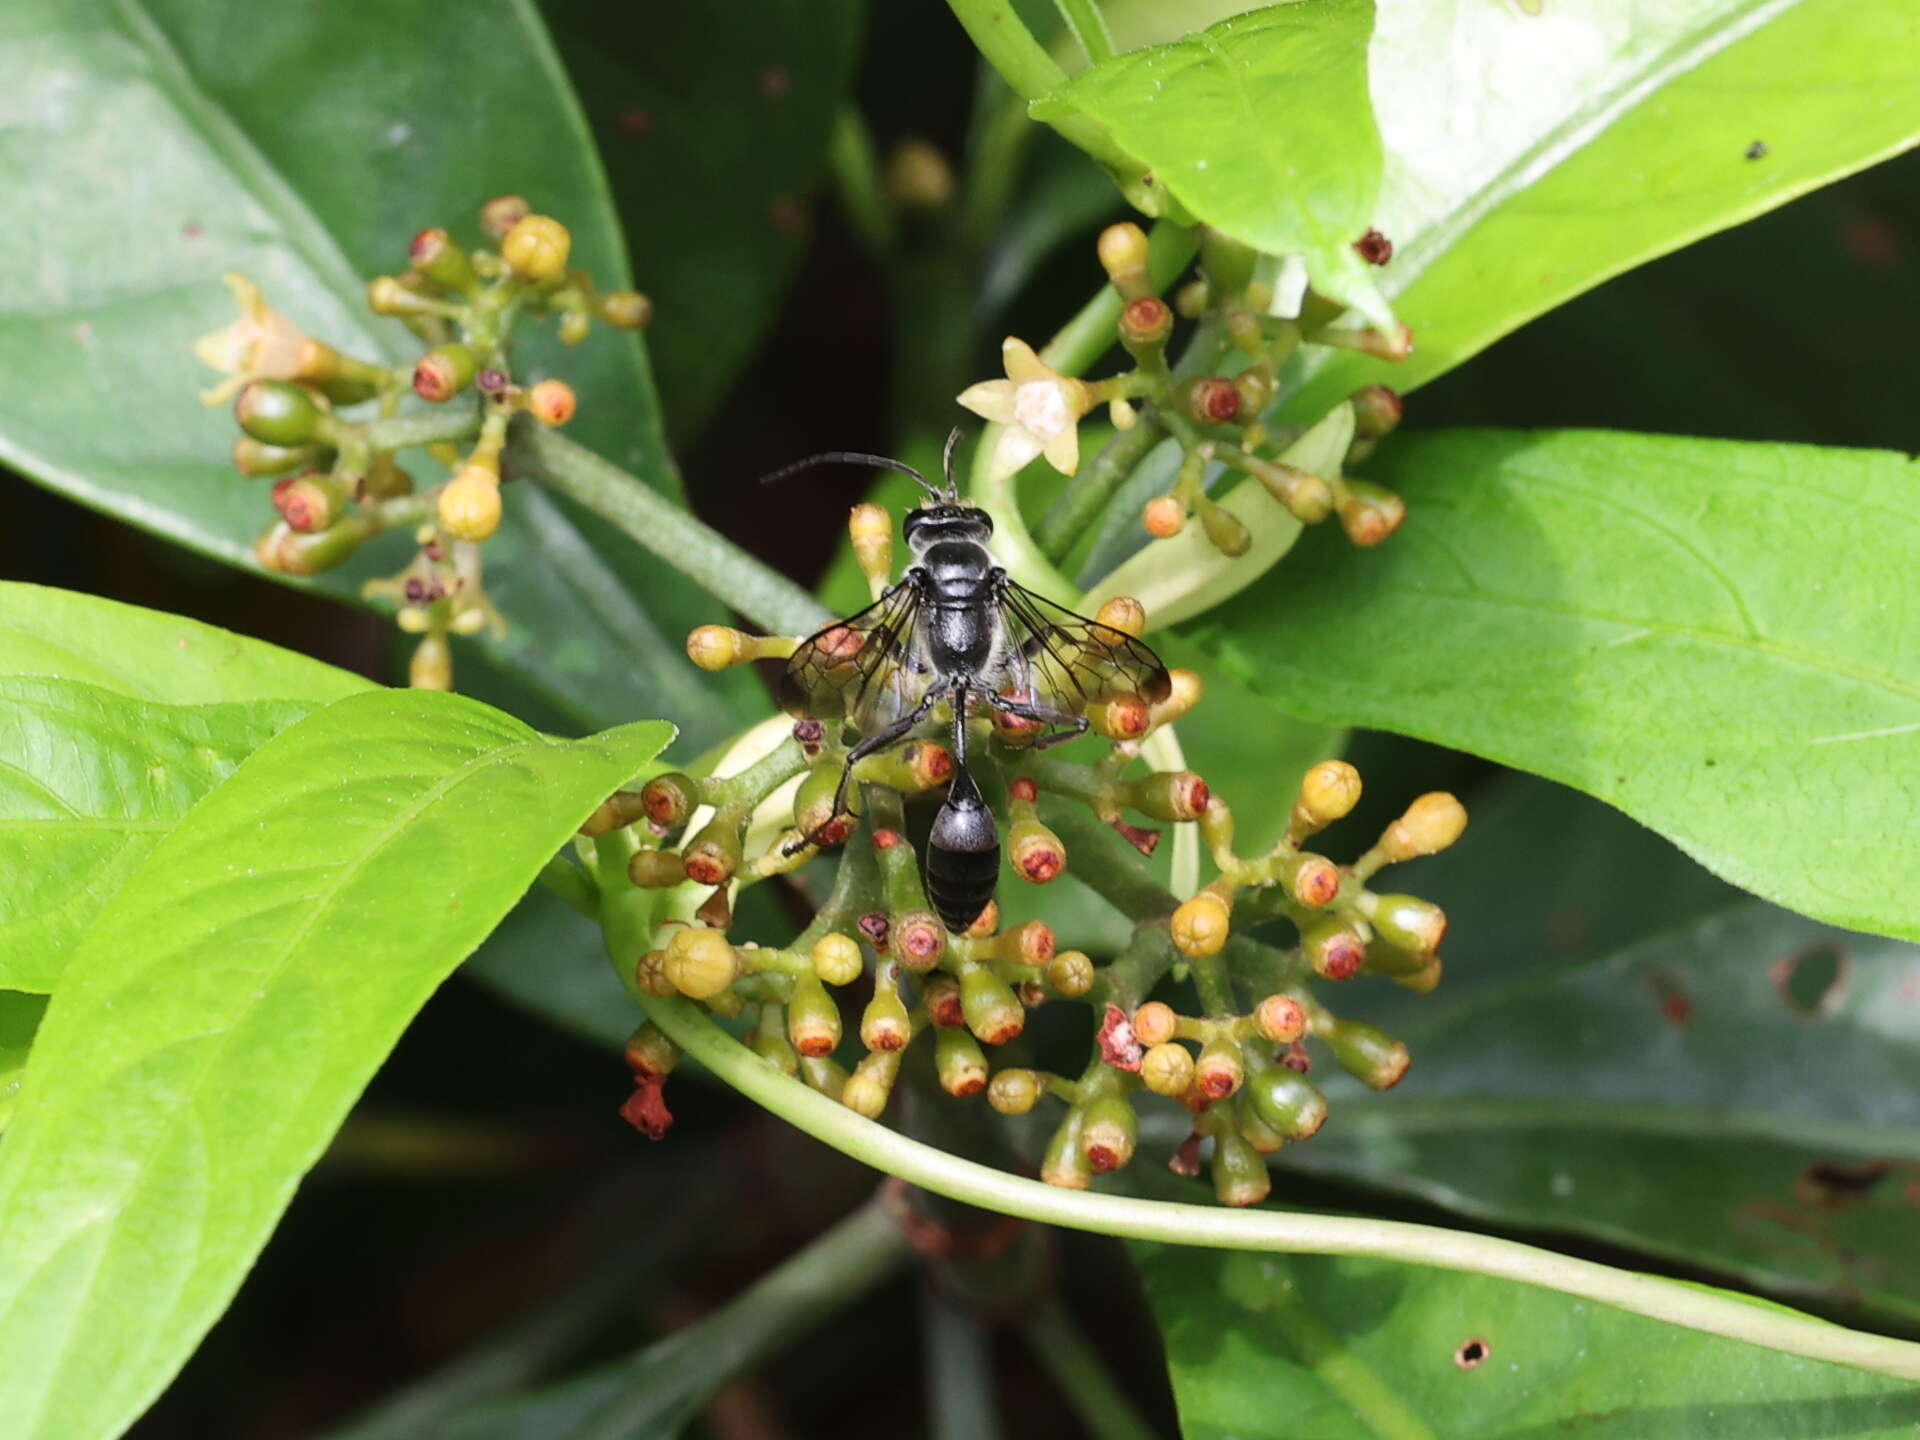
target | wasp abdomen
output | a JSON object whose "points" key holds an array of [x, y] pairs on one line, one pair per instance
{"points": [[963, 856]]}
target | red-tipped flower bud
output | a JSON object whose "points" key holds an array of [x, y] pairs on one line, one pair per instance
{"points": [[1109, 1133], [552, 402], [1368, 1053], [1281, 1019]]}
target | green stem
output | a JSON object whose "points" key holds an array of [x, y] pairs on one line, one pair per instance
{"points": [[1089, 27], [572, 884], [1285, 1232], [665, 1384], [998, 32], [960, 1380], [1088, 493], [706, 557], [856, 176], [455, 423], [1062, 1348]]}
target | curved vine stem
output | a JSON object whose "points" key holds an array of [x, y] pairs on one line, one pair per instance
{"points": [[1694, 1307]]}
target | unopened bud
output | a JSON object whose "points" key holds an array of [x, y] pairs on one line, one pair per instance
{"points": [[1255, 385], [1431, 824], [1328, 792], [500, 214], [1212, 400], [1394, 344], [871, 528], [616, 812], [768, 1040], [1028, 944], [1225, 531], [1334, 949], [1109, 1133], [813, 812], [1255, 1131], [1164, 516], [1192, 299], [1312, 880], [574, 326], [669, 799], [469, 506], [277, 412], [650, 1052], [431, 667], [1280, 1019], [1219, 1070], [836, 959], [1240, 1176], [1170, 795], [388, 295], [656, 869], [1064, 1164], [309, 502], [715, 647], [434, 255], [1201, 925], [650, 974], [959, 1062], [1014, 1091], [713, 855], [1070, 974], [1287, 1101], [1146, 323], [537, 247], [1184, 689], [1408, 923], [827, 1076], [288, 552], [1123, 255], [1121, 411], [386, 479], [916, 766], [884, 1024], [916, 939], [866, 1090], [993, 1012], [1376, 411], [1035, 851], [1307, 497], [443, 372], [624, 309], [701, 963], [256, 458], [1123, 613], [1167, 1069], [552, 402], [1369, 514], [1368, 1053], [1124, 717], [813, 1020], [1154, 1023]]}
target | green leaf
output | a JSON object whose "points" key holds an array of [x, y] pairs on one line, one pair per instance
{"points": [[1263, 1346], [1261, 127], [215, 1025], [89, 782], [1637, 616], [19, 1019], [150, 655], [1535, 151], [304, 145], [714, 148]]}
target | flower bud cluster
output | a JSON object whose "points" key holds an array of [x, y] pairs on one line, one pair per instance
{"points": [[337, 480], [1215, 399]]}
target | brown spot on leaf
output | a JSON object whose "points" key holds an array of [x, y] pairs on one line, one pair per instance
{"points": [[1670, 997], [1812, 981], [1472, 1353], [1840, 1184]]}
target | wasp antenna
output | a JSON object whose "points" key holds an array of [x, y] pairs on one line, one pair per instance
{"points": [[946, 463], [851, 457]]}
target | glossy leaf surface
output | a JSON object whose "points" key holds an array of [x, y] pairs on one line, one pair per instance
{"points": [[225, 1010], [1533, 151], [1261, 126], [1262, 1347], [1634, 616]]}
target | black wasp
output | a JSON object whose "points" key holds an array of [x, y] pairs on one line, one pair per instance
{"points": [[955, 628]]}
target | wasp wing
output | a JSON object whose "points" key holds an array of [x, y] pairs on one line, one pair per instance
{"points": [[1068, 662], [870, 668]]}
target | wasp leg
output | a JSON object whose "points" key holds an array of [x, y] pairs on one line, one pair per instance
{"points": [[1045, 715], [879, 740]]}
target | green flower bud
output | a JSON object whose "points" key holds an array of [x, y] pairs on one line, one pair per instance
{"points": [[257, 459], [866, 1090], [670, 799], [1376, 411], [959, 1062], [277, 412], [288, 552], [1257, 1133], [813, 1020], [624, 309], [1240, 1176], [1070, 974], [1287, 1101], [444, 371], [1369, 513], [616, 812], [885, 1025], [1064, 1164], [1146, 323], [1167, 1069], [837, 960], [435, 256], [701, 963], [1225, 531], [1407, 923], [768, 1040], [1171, 795], [1219, 1070], [1014, 1091], [1036, 853], [1334, 948], [993, 1012], [310, 502], [827, 1076], [431, 665], [656, 869], [1368, 1053], [813, 813], [713, 855], [1109, 1133], [1123, 255]]}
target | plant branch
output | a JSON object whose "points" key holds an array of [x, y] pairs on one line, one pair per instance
{"points": [[573, 885], [1062, 1348], [1089, 27], [1286, 1232], [434, 427], [764, 596]]}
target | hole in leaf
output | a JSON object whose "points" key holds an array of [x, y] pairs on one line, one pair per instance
{"points": [[1813, 981], [1472, 1353]]}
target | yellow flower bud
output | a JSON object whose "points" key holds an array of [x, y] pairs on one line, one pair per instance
{"points": [[1167, 1069], [836, 959], [537, 247], [552, 402], [1201, 925], [1125, 614], [1014, 1091], [701, 963], [1154, 1023], [470, 505]]}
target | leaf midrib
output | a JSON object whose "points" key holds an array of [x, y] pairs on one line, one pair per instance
{"points": [[322, 906]]}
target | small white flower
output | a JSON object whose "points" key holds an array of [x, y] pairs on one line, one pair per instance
{"points": [[1038, 408], [261, 345]]}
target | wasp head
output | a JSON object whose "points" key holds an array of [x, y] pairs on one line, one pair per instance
{"points": [[927, 525]]}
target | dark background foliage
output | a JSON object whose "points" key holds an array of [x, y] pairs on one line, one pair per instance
{"points": [[487, 1166]]}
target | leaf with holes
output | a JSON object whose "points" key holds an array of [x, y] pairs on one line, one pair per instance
{"points": [[1259, 125], [1625, 614], [1268, 1347], [89, 783], [224, 1011], [1533, 151], [304, 145]]}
